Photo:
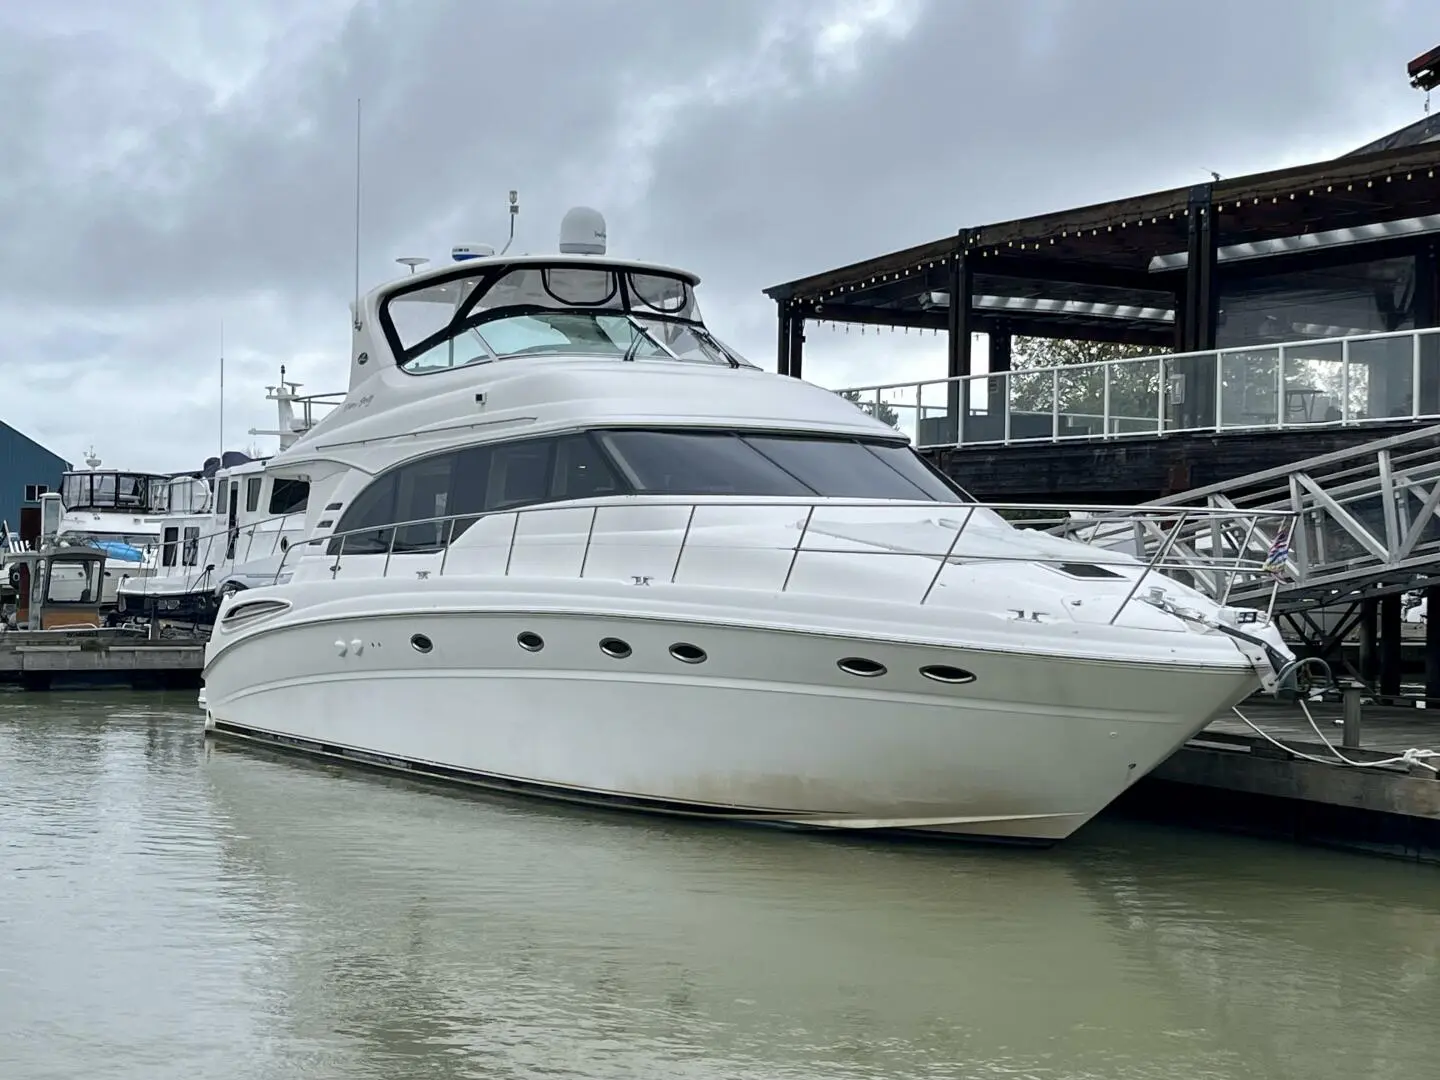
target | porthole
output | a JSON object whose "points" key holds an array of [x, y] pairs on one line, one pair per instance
{"points": [[858, 665], [420, 643], [529, 641], [947, 674], [687, 653], [614, 648]]}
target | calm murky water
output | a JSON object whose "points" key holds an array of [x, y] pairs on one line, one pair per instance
{"points": [[170, 908]]}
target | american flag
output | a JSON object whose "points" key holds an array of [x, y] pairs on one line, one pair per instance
{"points": [[1279, 550]]}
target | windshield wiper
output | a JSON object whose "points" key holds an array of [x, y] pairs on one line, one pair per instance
{"points": [[639, 334]]}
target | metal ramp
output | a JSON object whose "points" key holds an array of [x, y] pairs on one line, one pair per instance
{"points": [[1367, 524]]}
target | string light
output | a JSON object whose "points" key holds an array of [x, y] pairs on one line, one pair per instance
{"points": [[971, 240]]}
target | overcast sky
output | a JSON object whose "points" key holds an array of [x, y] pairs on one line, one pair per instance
{"points": [[169, 164]]}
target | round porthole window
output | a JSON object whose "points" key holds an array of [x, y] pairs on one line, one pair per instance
{"points": [[420, 643], [615, 648], [687, 653], [946, 673], [858, 665], [530, 641]]}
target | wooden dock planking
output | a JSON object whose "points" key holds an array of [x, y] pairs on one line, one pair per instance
{"points": [[37, 659], [1229, 777]]}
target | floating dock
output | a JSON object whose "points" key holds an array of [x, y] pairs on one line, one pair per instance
{"points": [[40, 660], [1233, 779]]}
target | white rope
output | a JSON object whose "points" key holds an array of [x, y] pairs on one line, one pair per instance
{"points": [[1413, 756]]}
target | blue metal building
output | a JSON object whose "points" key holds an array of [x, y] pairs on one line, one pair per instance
{"points": [[27, 470]]}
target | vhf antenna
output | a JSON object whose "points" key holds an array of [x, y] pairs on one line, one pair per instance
{"points": [[357, 215], [222, 388]]}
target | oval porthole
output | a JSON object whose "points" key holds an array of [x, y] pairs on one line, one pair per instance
{"points": [[614, 648], [420, 643], [947, 674], [687, 653], [858, 665], [529, 641]]}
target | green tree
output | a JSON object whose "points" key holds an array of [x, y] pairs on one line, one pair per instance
{"points": [[1134, 387], [878, 409]]}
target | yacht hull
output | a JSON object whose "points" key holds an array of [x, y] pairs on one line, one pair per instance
{"points": [[767, 728]]}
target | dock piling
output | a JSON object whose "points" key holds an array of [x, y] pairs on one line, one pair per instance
{"points": [[1350, 733]]}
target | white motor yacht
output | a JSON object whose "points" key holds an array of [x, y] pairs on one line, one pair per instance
{"points": [[117, 511], [562, 541], [230, 526]]}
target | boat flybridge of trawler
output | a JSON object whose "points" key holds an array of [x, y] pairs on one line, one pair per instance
{"points": [[563, 541]]}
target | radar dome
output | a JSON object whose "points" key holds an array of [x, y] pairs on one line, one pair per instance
{"points": [[582, 232]]}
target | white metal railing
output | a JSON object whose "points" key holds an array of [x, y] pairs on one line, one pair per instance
{"points": [[203, 559], [664, 538], [309, 402], [1345, 381]]}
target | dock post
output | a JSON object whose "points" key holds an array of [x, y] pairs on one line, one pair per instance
{"points": [[1391, 658], [1350, 734]]}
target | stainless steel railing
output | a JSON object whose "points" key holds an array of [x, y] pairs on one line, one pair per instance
{"points": [[1212, 549]]}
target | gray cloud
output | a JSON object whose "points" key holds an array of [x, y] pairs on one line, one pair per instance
{"points": [[163, 169], [992, 111]]}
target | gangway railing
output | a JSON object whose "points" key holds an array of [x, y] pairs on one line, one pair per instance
{"points": [[1350, 381], [1366, 522], [780, 544]]}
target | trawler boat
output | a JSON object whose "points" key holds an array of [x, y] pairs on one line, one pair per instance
{"points": [[562, 541], [116, 511]]}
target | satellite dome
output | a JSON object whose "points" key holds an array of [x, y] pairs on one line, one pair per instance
{"points": [[582, 232]]}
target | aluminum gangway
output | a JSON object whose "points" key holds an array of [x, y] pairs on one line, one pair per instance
{"points": [[1367, 524]]}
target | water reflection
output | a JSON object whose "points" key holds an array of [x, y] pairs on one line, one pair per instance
{"points": [[171, 908]]}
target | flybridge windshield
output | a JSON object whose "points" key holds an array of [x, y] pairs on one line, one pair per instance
{"points": [[514, 311]]}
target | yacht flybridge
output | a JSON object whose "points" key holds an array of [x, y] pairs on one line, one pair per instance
{"points": [[562, 541]]}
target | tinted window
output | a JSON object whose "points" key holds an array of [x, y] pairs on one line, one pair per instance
{"points": [[288, 497], [473, 481], [919, 472], [838, 468], [581, 471], [487, 479], [422, 490], [252, 494], [375, 506], [519, 473], [467, 485], [671, 463]]}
